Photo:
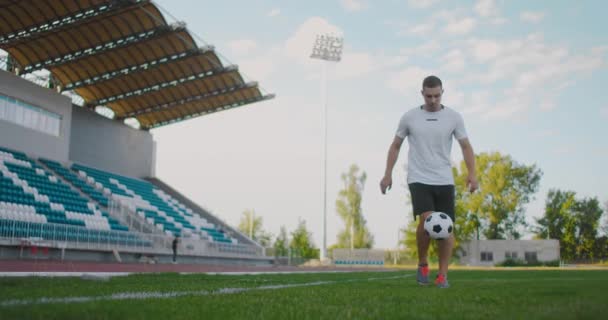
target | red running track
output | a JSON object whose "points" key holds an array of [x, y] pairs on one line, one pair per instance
{"points": [[79, 266]]}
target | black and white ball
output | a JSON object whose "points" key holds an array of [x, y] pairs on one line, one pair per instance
{"points": [[438, 225]]}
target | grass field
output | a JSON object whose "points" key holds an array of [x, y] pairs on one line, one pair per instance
{"points": [[517, 294]]}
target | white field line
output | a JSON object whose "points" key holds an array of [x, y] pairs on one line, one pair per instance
{"points": [[142, 295]]}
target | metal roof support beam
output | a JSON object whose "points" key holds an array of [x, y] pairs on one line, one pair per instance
{"points": [[142, 67], [189, 99], [65, 22], [163, 85], [213, 110], [112, 45]]}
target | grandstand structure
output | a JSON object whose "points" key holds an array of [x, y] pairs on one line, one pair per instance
{"points": [[82, 84]]}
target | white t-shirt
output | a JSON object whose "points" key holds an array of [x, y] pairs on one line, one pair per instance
{"points": [[429, 135]]}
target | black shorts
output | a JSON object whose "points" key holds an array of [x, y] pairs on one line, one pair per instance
{"points": [[432, 198]]}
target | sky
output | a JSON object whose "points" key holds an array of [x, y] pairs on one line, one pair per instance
{"points": [[528, 76]]}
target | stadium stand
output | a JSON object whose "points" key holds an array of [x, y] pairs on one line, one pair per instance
{"points": [[32, 194], [84, 182], [159, 208]]}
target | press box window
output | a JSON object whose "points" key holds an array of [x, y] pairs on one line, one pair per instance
{"points": [[29, 116]]}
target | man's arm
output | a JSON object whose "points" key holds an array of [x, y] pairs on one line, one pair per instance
{"points": [[393, 154], [469, 160]]}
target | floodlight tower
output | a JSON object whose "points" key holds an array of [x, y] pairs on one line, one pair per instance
{"points": [[329, 49]]}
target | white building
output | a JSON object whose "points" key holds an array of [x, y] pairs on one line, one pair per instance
{"points": [[491, 252]]}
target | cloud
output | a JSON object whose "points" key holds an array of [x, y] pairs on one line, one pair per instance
{"points": [[486, 8], [547, 105], [242, 46], [509, 107], [424, 49], [484, 50], [454, 21], [355, 64], [353, 5], [532, 17], [295, 52], [453, 98], [604, 112], [408, 81], [274, 12], [524, 64], [420, 4], [453, 61], [260, 67], [478, 103], [460, 26], [565, 149], [420, 29], [547, 133]]}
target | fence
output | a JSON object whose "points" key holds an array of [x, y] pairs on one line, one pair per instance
{"points": [[52, 235]]}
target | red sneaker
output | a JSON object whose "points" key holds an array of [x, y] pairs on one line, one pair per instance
{"points": [[442, 281]]}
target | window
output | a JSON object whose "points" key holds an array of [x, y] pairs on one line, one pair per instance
{"points": [[487, 256], [511, 255], [531, 256], [29, 116]]}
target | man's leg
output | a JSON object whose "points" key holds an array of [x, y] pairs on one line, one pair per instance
{"points": [[445, 202], [422, 240], [445, 253], [422, 205]]}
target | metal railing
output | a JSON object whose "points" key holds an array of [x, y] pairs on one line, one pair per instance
{"points": [[190, 245], [130, 218], [52, 235], [67, 236]]}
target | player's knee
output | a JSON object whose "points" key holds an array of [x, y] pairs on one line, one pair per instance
{"points": [[425, 215]]}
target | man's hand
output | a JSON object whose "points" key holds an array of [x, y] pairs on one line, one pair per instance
{"points": [[472, 183], [386, 183]]}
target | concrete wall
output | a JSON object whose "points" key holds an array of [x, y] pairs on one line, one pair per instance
{"points": [[111, 145], [30, 141], [546, 250]]}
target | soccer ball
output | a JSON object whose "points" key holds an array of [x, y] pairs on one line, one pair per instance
{"points": [[438, 225]]}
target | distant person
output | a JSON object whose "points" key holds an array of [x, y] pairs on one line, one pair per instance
{"points": [[430, 129], [174, 245]]}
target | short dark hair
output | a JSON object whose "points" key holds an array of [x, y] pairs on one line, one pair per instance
{"points": [[431, 82]]}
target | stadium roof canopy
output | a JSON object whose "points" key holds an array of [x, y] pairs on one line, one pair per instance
{"points": [[124, 55]]}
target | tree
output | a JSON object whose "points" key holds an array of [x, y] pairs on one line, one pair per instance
{"points": [[587, 215], [558, 221], [574, 222], [301, 242], [355, 233], [497, 209], [281, 243], [251, 225], [604, 226], [558, 208]]}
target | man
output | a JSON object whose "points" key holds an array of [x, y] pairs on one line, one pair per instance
{"points": [[174, 247], [429, 130]]}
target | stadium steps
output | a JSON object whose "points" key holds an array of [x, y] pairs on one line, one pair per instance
{"points": [[32, 194], [204, 213], [155, 205], [42, 163], [42, 191]]}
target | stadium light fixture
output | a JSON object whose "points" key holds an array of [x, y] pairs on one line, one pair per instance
{"points": [[329, 49]]}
